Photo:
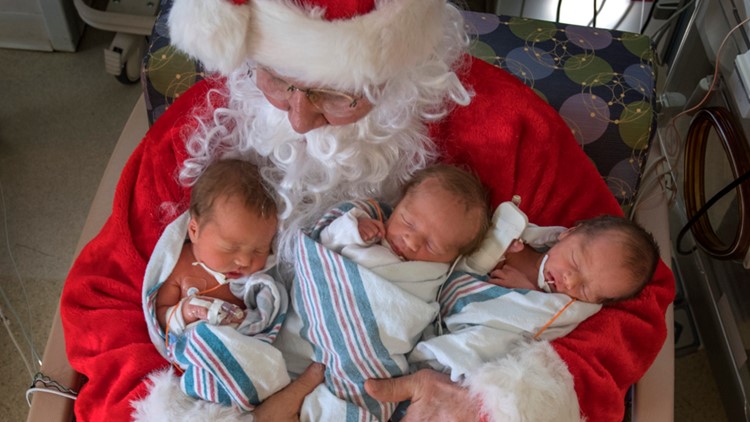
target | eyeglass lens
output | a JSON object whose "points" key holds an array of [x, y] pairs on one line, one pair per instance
{"points": [[327, 101]]}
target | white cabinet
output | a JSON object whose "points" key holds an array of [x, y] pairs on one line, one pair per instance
{"points": [[46, 25]]}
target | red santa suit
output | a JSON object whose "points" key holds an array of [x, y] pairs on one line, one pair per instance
{"points": [[516, 143]]}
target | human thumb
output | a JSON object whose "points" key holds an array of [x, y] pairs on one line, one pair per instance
{"points": [[310, 378], [391, 389], [294, 393]]}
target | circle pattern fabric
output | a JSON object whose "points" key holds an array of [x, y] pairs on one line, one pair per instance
{"points": [[600, 81]]}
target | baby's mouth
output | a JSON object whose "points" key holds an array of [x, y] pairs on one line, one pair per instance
{"points": [[398, 252], [550, 280], [395, 248]]}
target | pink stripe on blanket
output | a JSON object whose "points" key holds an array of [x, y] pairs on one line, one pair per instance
{"points": [[459, 288], [230, 383], [351, 323], [310, 299], [371, 360]]}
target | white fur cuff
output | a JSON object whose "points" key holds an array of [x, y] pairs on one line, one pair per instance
{"points": [[531, 383], [166, 402], [343, 53]]}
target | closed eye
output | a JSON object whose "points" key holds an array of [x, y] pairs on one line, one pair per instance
{"points": [[435, 249], [228, 248], [432, 249], [583, 293], [407, 222], [280, 83]]}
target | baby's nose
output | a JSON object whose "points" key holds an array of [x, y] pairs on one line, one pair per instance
{"points": [[241, 261], [413, 242], [571, 280]]}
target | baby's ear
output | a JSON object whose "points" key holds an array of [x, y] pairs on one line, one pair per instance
{"points": [[566, 232], [192, 228]]}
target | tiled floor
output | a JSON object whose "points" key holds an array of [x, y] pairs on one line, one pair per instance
{"points": [[60, 116]]}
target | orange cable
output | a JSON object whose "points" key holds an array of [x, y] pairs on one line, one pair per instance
{"points": [[166, 339], [551, 320]]}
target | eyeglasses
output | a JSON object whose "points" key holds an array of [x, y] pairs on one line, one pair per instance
{"points": [[327, 101]]}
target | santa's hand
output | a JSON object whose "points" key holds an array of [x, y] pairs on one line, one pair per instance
{"points": [[370, 229], [434, 397], [212, 310], [285, 404]]}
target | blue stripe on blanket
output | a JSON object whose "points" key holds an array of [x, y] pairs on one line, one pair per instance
{"points": [[337, 318], [272, 331], [343, 208], [463, 288], [211, 371], [151, 306]]}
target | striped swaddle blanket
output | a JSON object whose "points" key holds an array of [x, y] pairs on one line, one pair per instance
{"points": [[360, 322], [481, 321], [235, 366]]}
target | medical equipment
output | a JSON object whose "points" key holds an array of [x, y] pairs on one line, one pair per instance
{"points": [[132, 21], [705, 124]]}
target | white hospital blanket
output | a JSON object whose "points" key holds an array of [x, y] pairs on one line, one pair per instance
{"points": [[481, 321], [230, 365], [361, 322]]}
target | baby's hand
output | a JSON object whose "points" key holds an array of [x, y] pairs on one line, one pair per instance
{"points": [[370, 229], [510, 277], [214, 311]]}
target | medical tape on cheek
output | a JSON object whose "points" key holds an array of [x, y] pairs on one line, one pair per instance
{"points": [[541, 280]]}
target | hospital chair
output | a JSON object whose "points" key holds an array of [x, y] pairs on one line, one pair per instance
{"points": [[601, 81]]}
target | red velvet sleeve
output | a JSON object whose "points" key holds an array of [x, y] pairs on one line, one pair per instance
{"points": [[105, 330], [518, 145]]}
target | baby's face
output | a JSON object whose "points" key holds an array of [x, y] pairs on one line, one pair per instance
{"points": [[233, 240], [588, 268], [430, 224]]}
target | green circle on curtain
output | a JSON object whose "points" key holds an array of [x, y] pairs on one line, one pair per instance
{"points": [[588, 70], [532, 30], [483, 51], [635, 124], [171, 72], [640, 45]]}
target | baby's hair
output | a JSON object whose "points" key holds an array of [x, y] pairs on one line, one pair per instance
{"points": [[467, 188], [229, 178], [641, 252]]}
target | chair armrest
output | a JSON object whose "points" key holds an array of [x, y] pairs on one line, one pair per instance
{"points": [[50, 407]]}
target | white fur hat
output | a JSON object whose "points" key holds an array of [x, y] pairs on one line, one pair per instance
{"points": [[339, 43]]}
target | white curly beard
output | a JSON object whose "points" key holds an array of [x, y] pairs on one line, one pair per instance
{"points": [[310, 173]]}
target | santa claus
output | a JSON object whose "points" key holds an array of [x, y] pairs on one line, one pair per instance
{"points": [[341, 99]]}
